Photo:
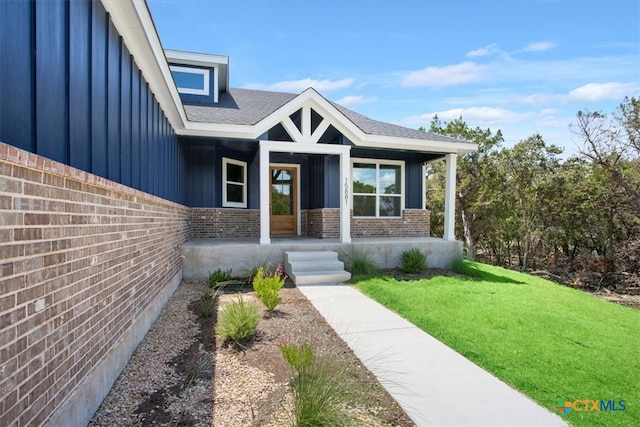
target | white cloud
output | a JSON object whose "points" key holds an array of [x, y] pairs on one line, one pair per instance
{"points": [[448, 75], [594, 92], [474, 116], [297, 86], [485, 51], [484, 115], [539, 46], [351, 100], [540, 98], [493, 49]]}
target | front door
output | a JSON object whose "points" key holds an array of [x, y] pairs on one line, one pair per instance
{"points": [[284, 202]]}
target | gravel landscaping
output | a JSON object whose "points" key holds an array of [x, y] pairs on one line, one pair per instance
{"points": [[180, 375]]}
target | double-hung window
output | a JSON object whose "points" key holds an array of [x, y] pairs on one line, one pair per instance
{"points": [[377, 188], [234, 183]]}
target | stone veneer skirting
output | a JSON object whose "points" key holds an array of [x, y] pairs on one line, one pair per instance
{"points": [[86, 266]]}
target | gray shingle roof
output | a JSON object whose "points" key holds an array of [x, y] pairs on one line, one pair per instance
{"points": [[239, 107], [375, 127], [248, 107]]}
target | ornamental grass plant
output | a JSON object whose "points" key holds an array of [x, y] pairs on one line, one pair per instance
{"points": [[237, 321]]}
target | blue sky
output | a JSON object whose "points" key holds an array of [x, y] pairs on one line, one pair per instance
{"points": [[522, 66]]}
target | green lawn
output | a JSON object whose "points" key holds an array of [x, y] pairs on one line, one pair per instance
{"points": [[549, 341]]}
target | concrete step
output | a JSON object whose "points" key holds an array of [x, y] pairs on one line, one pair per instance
{"points": [[315, 267], [320, 277], [309, 255]]}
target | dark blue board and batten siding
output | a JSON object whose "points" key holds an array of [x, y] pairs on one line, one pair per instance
{"points": [[70, 91]]}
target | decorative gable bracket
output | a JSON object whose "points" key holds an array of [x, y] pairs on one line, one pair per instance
{"points": [[305, 132]]}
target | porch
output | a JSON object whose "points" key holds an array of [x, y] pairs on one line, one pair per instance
{"points": [[202, 256]]}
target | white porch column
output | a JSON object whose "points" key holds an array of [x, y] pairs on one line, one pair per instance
{"points": [[265, 181], [450, 198], [345, 197]]}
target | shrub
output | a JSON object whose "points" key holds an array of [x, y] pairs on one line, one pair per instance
{"points": [[218, 277], [267, 287], [413, 261], [206, 305], [237, 321], [317, 397], [359, 261]]}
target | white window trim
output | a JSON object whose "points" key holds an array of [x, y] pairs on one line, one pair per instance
{"points": [[377, 163], [225, 202], [189, 70]]}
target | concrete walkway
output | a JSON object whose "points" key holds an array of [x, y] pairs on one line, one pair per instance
{"points": [[434, 385]]}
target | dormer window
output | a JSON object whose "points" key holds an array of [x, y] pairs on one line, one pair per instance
{"points": [[199, 78], [191, 81]]}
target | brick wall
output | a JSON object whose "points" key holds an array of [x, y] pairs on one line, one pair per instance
{"points": [[414, 223], [304, 223], [323, 223], [85, 267], [225, 223]]}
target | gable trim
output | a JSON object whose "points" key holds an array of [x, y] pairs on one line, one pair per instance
{"points": [[311, 99]]}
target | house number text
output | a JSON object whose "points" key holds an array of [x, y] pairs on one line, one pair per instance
{"points": [[346, 192]]}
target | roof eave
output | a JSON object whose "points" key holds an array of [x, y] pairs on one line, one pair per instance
{"points": [[421, 145], [133, 21], [369, 141]]}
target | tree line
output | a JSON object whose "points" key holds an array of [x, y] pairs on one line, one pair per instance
{"points": [[576, 219]]}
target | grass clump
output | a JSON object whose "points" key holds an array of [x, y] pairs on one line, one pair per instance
{"points": [[413, 261], [267, 286], [206, 305], [458, 265], [218, 277], [317, 396], [252, 266], [298, 357], [237, 321], [360, 261]]}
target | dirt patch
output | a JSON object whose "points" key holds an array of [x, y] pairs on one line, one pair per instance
{"points": [[632, 301]]}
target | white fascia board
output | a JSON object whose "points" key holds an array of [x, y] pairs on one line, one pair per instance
{"points": [[220, 131], [308, 98], [192, 58], [424, 145], [134, 23], [373, 141], [292, 147], [312, 99]]}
